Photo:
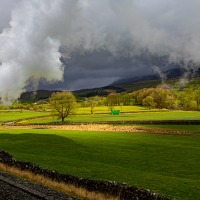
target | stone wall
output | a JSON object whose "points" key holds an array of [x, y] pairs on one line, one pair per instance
{"points": [[124, 191]]}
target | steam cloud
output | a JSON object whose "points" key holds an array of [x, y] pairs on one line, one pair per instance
{"points": [[40, 32]]}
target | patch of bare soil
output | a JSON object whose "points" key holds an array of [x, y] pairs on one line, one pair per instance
{"points": [[100, 127]]}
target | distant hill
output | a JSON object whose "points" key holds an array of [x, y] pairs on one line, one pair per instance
{"points": [[103, 91], [122, 85], [169, 74], [33, 96], [170, 77]]}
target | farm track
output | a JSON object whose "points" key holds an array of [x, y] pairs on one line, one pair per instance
{"points": [[99, 127], [20, 189]]}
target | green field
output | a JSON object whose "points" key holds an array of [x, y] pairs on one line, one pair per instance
{"points": [[195, 129], [17, 115], [129, 113], [173, 115], [168, 164], [106, 110]]}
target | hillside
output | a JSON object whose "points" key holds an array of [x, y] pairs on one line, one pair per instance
{"points": [[169, 74], [33, 96], [103, 91], [123, 85]]}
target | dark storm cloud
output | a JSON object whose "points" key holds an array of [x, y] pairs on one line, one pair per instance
{"points": [[98, 69], [98, 40]]}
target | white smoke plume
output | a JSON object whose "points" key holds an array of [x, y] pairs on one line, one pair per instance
{"points": [[30, 45], [158, 71]]}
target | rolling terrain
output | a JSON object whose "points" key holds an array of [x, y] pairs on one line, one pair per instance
{"points": [[172, 78]]}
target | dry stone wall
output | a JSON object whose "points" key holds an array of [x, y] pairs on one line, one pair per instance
{"points": [[124, 191]]}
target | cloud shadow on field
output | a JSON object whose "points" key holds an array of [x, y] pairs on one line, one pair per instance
{"points": [[41, 144]]}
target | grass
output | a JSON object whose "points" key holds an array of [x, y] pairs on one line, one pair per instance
{"points": [[195, 129], [105, 109], [17, 115], [168, 164], [12, 115], [130, 113], [173, 115]]}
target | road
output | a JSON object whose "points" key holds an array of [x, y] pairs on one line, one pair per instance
{"points": [[15, 188]]}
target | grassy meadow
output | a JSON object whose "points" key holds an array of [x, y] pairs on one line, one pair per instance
{"points": [[106, 110], [6, 116], [195, 129], [168, 164], [138, 116], [128, 113]]}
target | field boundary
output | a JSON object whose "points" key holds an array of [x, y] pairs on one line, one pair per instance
{"points": [[101, 128], [143, 122], [120, 190]]}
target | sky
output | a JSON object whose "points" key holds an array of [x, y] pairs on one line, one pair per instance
{"points": [[75, 44]]}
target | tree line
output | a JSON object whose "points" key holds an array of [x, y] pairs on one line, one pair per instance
{"points": [[160, 97], [64, 103], [163, 96]]}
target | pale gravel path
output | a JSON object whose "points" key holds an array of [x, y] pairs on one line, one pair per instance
{"points": [[100, 127]]}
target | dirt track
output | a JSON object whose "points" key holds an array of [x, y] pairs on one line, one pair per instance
{"points": [[100, 127]]}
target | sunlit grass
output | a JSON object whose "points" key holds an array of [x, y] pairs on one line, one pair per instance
{"points": [[17, 115], [140, 116], [106, 110], [168, 164]]}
